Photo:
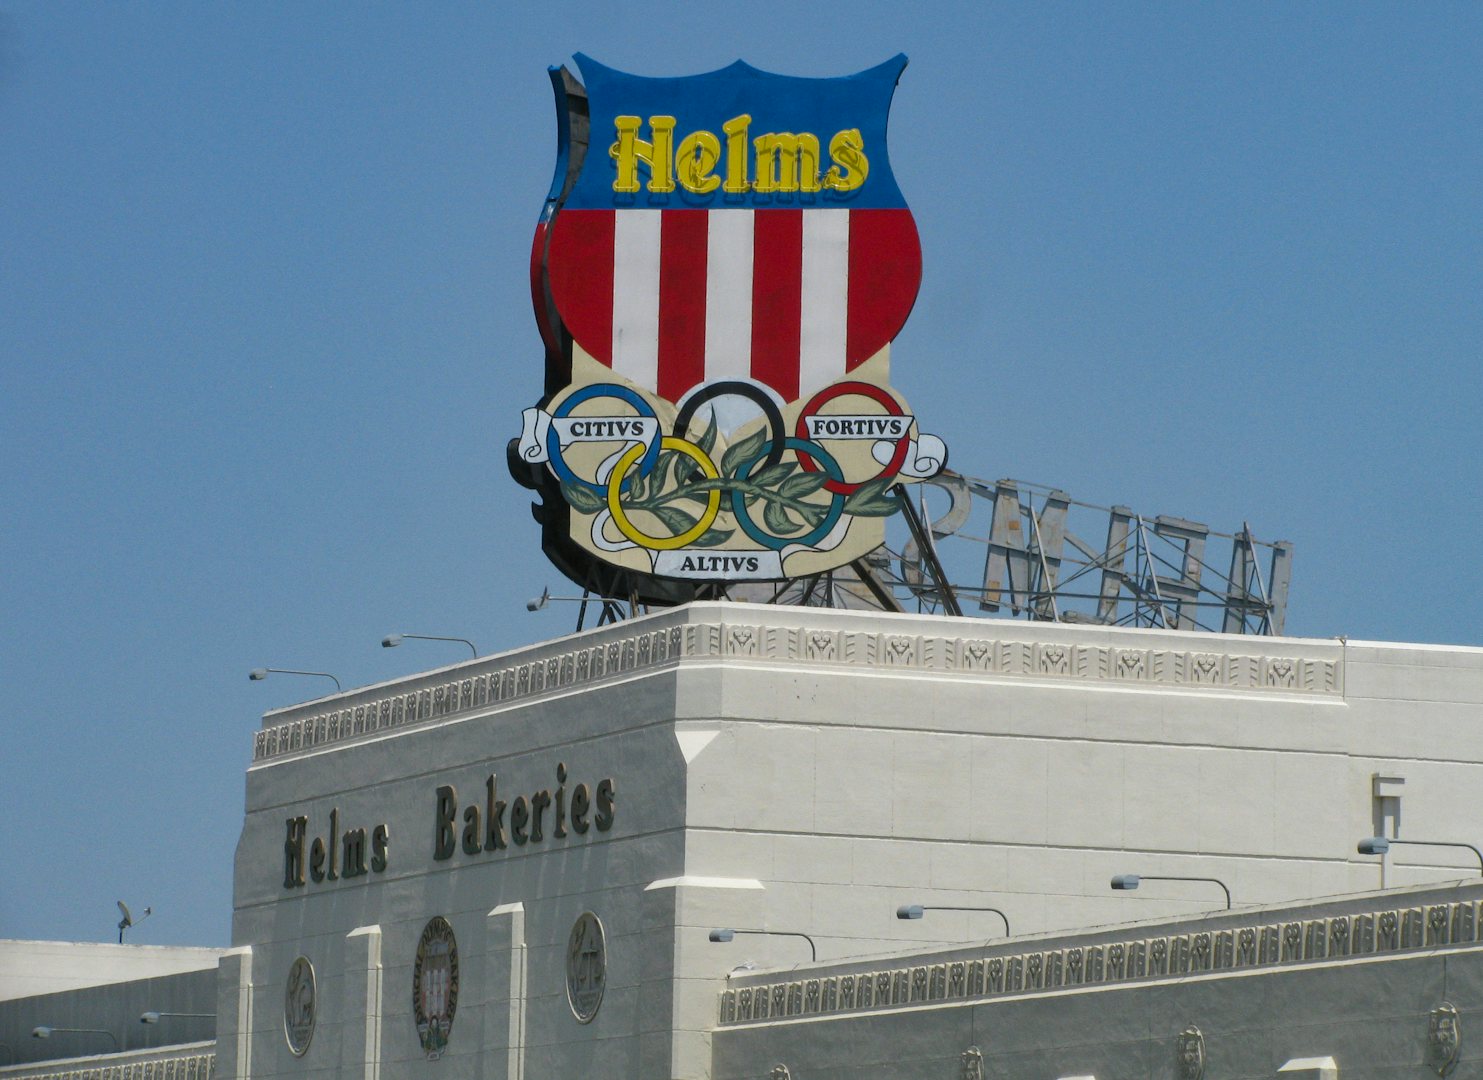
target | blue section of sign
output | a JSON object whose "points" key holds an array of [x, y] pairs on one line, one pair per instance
{"points": [[776, 104]]}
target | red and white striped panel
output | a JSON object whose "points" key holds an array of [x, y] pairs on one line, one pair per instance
{"points": [[792, 298]]}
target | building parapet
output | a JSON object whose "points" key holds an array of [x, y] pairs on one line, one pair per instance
{"points": [[1131, 659], [188, 1061], [1101, 958]]}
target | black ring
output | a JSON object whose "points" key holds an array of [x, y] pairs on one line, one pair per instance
{"points": [[755, 394]]}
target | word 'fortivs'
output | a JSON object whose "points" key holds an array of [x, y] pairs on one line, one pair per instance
{"points": [[721, 267]]}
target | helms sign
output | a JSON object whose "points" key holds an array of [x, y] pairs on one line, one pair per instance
{"points": [[720, 270]]}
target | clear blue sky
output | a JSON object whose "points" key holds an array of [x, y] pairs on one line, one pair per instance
{"points": [[265, 329]]}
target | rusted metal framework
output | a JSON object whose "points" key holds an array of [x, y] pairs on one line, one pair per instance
{"points": [[1012, 548]]}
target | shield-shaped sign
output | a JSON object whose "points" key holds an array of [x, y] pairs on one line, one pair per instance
{"points": [[723, 262]]}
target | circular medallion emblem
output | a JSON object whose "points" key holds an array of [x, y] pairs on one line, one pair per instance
{"points": [[586, 967], [435, 986], [299, 1006]]}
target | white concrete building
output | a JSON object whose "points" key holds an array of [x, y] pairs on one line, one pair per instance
{"points": [[807, 771]]}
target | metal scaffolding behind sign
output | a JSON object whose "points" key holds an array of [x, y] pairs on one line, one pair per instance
{"points": [[1148, 572], [1016, 549]]}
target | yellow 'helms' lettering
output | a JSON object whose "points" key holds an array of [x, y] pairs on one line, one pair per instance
{"points": [[847, 149], [695, 161], [736, 154], [786, 162], [630, 151]]}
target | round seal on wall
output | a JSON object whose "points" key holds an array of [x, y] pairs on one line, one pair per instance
{"points": [[586, 967], [299, 1006], [435, 986]]}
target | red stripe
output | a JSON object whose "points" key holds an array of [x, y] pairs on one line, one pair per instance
{"points": [[682, 262], [885, 273], [777, 298], [579, 267]]}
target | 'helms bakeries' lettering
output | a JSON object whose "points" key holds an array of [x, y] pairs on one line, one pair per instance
{"points": [[491, 824], [340, 855], [485, 825]]}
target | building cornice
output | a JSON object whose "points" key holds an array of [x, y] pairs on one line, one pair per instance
{"points": [[1129, 659], [1077, 962]]}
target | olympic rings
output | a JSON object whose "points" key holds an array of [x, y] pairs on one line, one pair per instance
{"points": [[838, 485], [558, 463], [777, 543], [662, 543], [753, 393]]}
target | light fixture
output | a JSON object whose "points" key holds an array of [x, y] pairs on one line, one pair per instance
{"points": [[43, 1031], [152, 1017], [259, 674], [915, 911], [538, 602], [391, 641], [128, 918], [1379, 845], [1132, 881], [725, 934]]}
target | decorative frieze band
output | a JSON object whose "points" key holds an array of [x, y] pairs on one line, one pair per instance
{"points": [[184, 1067], [847, 648], [1266, 945], [474, 691], [995, 656]]}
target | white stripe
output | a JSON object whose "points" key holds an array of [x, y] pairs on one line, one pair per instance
{"points": [[728, 294], [826, 295], [636, 296]]}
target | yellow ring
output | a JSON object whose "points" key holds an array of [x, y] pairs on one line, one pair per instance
{"points": [[661, 543]]}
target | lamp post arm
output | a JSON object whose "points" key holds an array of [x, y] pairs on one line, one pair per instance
{"points": [[318, 674], [812, 950], [994, 910], [1216, 881], [85, 1031], [436, 637], [1446, 843]]}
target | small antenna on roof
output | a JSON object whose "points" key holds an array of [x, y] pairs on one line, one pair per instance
{"points": [[128, 918]]}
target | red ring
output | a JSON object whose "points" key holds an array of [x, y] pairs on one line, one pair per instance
{"points": [[864, 389]]}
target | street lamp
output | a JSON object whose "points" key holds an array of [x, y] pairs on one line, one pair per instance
{"points": [[611, 611], [1379, 845], [726, 934], [391, 641], [915, 911], [538, 603], [152, 1017], [1131, 881], [259, 674], [42, 1031]]}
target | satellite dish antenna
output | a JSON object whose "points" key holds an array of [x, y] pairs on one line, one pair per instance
{"points": [[128, 918]]}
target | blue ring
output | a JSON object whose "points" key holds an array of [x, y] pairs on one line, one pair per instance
{"points": [[836, 503], [591, 390]]}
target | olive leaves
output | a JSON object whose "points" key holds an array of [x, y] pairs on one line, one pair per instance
{"points": [[783, 489], [872, 499]]}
